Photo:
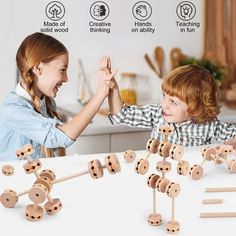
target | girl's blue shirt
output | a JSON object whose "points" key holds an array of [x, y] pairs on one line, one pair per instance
{"points": [[20, 124]]}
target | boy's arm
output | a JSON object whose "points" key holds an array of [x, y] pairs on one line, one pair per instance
{"points": [[114, 99]]}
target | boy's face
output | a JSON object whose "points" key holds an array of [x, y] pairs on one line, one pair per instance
{"points": [[173, 109]]}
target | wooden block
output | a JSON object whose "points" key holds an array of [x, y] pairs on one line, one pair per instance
{"points": [[173, 189], [24, 151], [53, 207], [163, 149], [38, 193], [155, 219], [172, 227], [183, 167], [49, 174], [112, 164], [163, 166], [152, 145], [8, 170], [151, 181], [34, 212], [196, 172], [208, 153], [176, 152], [166, 130], [161, 184], [142, 166], [95, 169], [129, 156], [32, 166], [9, 198]]}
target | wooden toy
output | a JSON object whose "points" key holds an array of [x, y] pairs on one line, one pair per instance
{"points": [[40, 191], [160, 183], [129, 156], [218, 155], [217, 214], [212, 201], [220, 189], [8, 170]]}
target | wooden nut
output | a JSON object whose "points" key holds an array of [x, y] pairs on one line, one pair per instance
{"points": [[38, 193], [32, 166], [163, 166], [142, 166], [154, 219], [95, 169], [129, 156], [183, 167], [112, 164], [172, 227], [152, 145], [173, 189], [54, 206], [232, 166], [196, 172], [151, 180], [208, 153], [163, 149], [24, 151], [166, 130], [161, 184], [176, 152], [34, 212], [49, 174], [7, 170], [9, 198]]}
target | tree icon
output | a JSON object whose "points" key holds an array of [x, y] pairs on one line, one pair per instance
{"points": [[55, 10]]}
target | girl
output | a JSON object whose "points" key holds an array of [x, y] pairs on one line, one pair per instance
{"points": [[28, 114]]}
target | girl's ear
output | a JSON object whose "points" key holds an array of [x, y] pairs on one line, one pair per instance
{"points": [[37, 69]]}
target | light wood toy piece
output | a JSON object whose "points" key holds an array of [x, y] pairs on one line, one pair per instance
{"points": [[40, 191], [8, 170], [162, 184], [129, 156], [217, 155]]}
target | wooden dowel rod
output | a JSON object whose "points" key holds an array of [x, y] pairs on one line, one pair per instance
{"points": [[203, 161], [217, 214], [172, 209], [212, 201], [65, 178], [148, 155], [22, 193], [154, 200], [224, 189], [36, 175]]}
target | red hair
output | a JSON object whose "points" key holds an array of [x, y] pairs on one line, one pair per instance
{"points": [[195, 86]]}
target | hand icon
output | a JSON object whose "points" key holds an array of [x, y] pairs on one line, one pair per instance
{"points": [[141, 10]]}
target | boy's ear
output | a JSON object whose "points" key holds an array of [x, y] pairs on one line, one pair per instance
{"points": [[37, 69]]}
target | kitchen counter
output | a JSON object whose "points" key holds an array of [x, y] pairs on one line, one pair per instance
{"points": [[119, 204]]}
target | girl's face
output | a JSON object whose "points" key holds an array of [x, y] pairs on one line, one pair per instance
{"points": [[173, 109], [51, 76]]}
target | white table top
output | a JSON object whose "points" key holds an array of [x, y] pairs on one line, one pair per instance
{"points": [[119, 204]]}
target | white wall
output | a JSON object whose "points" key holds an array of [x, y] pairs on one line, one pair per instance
{"points": [[20, 18]]}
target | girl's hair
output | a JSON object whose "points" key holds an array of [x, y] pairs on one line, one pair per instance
{"points": [[36, 48], [195, 86]]}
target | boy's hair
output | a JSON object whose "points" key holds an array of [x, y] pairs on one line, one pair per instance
{"points": [[195, 86]]}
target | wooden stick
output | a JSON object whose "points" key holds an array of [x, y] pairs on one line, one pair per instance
{"points": [[22, 193], [217, 214], [154, 200], [224, 189], [202, 162], [148, 155], [212, 201], [70, 177], [173, 209]]}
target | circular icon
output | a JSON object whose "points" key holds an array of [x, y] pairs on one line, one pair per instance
{"points": [[55, 10], [142, 10], [186, 10], [99, 10]]}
